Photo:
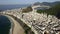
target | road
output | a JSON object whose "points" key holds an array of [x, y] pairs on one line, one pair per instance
{"points": [[17, 28]]}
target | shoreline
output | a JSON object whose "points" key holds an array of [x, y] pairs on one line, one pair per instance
{"points": [[12, 30], [25, 27]]}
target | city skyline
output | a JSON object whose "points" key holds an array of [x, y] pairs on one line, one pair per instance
{"points": [[8, 2]]}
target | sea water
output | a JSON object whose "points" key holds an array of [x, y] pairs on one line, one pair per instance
{"points": [[5, 25]]}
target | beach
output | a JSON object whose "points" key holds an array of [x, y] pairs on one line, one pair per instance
{"points": [[17, 28]]}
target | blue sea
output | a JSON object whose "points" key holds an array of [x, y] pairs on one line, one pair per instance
{"points": [[5, 7], [5, 25]]}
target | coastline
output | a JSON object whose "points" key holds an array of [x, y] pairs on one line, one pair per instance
{"points": [[25, 27], [15, 29]]}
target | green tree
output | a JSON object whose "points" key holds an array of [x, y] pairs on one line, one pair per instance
{"points": [[55, 10]]}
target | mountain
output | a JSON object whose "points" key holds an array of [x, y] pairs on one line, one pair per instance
{"points": [[51, 4], [47, 3], [54, 10], [37, 3]]}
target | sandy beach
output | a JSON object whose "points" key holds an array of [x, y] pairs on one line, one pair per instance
{"points": [[17, 29]]}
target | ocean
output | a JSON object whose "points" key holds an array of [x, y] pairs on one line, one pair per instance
{"points": [[5, 25], [6, 7]]}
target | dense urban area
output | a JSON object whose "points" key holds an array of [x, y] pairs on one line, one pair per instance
{"points": [[42, 19]]}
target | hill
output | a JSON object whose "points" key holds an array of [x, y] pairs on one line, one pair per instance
{"points": [[47, 3], [55, 10]]}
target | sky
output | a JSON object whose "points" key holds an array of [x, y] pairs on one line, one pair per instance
{"points": [[6, 2]]}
